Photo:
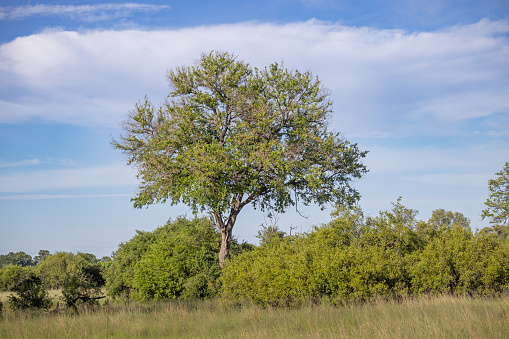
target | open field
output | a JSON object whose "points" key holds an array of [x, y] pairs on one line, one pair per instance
{"points": [[441, 317]]}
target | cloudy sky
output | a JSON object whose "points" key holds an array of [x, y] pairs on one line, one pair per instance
{"points": [[422, 85]]}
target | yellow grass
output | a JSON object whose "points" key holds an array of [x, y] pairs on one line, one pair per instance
{"points": [[440, 317]]}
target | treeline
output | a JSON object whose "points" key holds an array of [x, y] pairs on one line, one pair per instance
{"points": [[22, 259], [352, 257], [25, 260], [54, 270]]}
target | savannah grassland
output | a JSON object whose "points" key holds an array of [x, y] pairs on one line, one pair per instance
{"points": [[437, 317]]}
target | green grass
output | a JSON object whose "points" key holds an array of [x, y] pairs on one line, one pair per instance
{"points": [[440, 317]]}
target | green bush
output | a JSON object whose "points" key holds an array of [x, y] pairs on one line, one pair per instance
{"points": [[120, 273], [80, 290], [10, 275], [392, 255], [177, 260], [181, 263], [279, 273], [459, 262], [29, 293], [57, 268]]}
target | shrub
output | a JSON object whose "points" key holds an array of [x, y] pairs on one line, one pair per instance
{"points": [[276, 274], [181, 263], [82, 290], [391, 255], [56, 269], [29, 293], [10, 275], [120, 273]]}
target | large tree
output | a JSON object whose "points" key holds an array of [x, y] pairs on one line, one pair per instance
{"points": [[497, 205], [229, 135]]}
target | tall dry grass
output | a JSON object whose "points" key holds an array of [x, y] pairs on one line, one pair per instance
{"points": [[440, 317]]}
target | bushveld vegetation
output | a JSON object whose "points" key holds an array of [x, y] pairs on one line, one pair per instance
{"points": [[356, 276], [231, 136], [351, 260]]}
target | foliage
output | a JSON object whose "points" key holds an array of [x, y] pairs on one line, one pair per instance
{"points": [[57, 268], [10, 275], [229, 136], [498, 231], [80, 289], [120, 274], [441, 219], [270, 231], [43, 254], [29, 293], [18, 258], [181, 263], [89, 257], [497, 205], [392, 255], [177, 260]]}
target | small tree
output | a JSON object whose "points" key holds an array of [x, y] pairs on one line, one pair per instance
{"points": [[270, 231], [29, 293], [229, 136], [497, 205], [43, 254], [80, 289]]}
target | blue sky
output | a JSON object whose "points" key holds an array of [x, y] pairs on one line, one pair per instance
{"points": [[422, 85]]}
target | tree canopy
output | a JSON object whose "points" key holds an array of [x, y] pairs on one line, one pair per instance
{"points": [[497, 205], [230, 135]]}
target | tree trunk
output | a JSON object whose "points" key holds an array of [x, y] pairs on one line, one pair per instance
{"points": [[226, 239], [226, 228]]}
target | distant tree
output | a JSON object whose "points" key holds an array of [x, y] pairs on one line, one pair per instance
{"points": [[497, 205], [18, 258], [89, 257], [270, 231], [446, 219], [499, 231], [58, 268], [43, 254], [230, 136], [105, 259]]}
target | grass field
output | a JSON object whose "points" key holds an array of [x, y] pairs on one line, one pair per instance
{"points": [[440, 317]]}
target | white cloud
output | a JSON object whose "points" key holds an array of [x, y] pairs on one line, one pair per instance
{"points": [[60, 179], [35, 162], [381, 80], [22, 163], [83, 12]]}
